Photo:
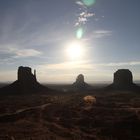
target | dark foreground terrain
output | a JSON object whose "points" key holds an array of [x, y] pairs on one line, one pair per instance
{"points": [[115, 116]]}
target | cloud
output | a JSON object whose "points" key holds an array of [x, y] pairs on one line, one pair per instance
{"points": [[68, 65], [83, 18], [14, 52], [67, 71], [102, 33], [83, 66], [29, 39], [26, 53], [131, 63], [80, 4], [98, 34], [84, 14]]}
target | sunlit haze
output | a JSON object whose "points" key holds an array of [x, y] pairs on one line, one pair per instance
{"points": [[63, 38], [75, 50]]}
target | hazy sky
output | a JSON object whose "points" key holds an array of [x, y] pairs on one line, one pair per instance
{"points": [[37, 33]]}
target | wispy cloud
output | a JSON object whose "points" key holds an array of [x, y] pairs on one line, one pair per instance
{"points": [[84, 14], [23, 43], [85, 65], [68, 65], [131, 63], [16, 52], [80, 3], [83, 18], [67, 71], [98, 34], [26, 53], [102, 33]]}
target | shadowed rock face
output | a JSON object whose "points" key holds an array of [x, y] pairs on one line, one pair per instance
{"points": [[80, 83], [80, 79], [25, 75], [123, 80], [26, 82]]}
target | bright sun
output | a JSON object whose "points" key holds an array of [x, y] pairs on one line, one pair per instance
{"points": [[75, 50]]}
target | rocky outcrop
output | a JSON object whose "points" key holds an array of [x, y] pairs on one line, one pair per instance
{"points": [[123, 80], [25, 75], [80, 84], [26, 82], [26, 78]]}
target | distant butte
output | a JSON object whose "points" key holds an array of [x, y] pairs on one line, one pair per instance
{"points": [[80, 84], [123, 80], [26, 83]]}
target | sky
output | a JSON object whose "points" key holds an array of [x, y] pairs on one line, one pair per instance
{"points": [[40, 34]]}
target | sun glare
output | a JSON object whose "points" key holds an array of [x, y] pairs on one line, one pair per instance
{"points": [[75, 50]]}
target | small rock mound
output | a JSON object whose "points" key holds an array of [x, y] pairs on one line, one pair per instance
{"points": [[26, 83], [80, 84], [123, 80]]}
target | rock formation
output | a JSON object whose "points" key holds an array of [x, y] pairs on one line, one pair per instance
{"points": [[26, 77], [25, 72], [123, 80], [80, 83], [26, 82]]}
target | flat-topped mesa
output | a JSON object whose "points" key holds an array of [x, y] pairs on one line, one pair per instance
{"points": [[80, 83], [26, 83], [123, 78], [25, 75]]}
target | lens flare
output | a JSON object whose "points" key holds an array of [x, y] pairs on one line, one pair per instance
{"points": [[89, 2], [90, 100], [79, 33]]}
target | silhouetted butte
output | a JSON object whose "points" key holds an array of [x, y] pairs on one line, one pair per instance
{"points": [[80, 84], [26, 82], [123, 80]]}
